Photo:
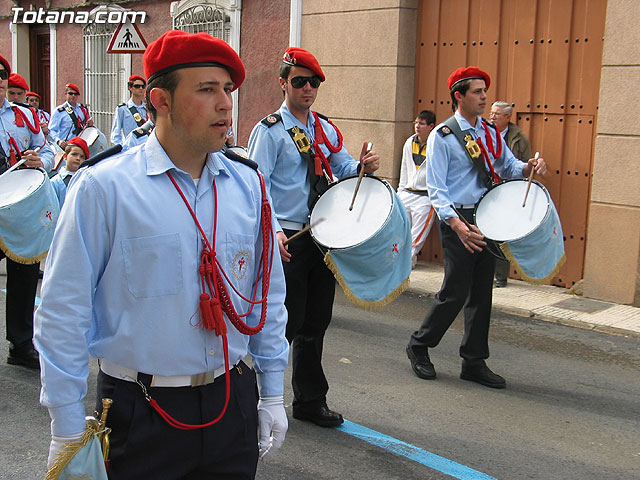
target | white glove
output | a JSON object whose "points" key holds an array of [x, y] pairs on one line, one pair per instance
{"points": [[273, 424], [57, 444]]}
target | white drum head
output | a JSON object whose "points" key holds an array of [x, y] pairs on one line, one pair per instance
{"points": [[90, 135], [500, 215], [18, 185], [341, 228]]}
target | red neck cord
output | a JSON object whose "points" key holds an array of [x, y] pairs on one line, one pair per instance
{"points": [[320, 160], [212, 306], [21, 119]]}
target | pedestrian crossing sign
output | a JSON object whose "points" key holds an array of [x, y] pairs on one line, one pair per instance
{"points": [[127, 39]]}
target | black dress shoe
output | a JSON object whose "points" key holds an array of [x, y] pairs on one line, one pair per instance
{"points": [[25, 356], [321, 415], [500, 283], [483, 375], [421, 364]]}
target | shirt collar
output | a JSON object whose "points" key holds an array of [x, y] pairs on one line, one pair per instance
{"points": [[464, 124], [131, 103], [158, 162], [6, 104], [290, 121]]}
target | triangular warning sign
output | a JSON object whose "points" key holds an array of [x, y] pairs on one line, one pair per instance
{"points": [[127, 39]]}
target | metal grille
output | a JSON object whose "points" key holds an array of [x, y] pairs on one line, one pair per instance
{"points": [[204, 18], [104, 75]]}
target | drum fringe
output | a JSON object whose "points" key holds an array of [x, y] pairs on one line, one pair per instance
{"points": [[68, 451], [19, 258], [533, 281], [365, 304]]}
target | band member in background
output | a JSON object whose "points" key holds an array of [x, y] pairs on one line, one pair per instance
{"points": [[295, 147], [17, 90], [139, 135], [182, 235], [519, 145], [132, 114], [33, 99], [20, 136], [464, 158], [77, 151], [412, 188], [70, 118]]}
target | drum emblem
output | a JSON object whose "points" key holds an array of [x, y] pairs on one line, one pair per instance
{"points": [[393, 252], [239, 267], [46, 216]]}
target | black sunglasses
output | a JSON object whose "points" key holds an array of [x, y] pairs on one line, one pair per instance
{"points": [[138, 85], [73, 93], [4, 74], [299, 82]]}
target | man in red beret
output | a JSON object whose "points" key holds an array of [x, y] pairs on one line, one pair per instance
{"points": [[174, 265], [20, 138], [17, 88], [70, 118], [33, 99], [132, 114], [297, 149], [464, 158]]}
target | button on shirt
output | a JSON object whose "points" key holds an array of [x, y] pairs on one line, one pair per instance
{"points": [[122, 276], [452, 178], [61, 125], [284, 169], [25, 139], [123, 122]]}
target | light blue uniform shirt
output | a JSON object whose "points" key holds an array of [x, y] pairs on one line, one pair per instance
{"points": [[25, 139], [122, 280], [57, 182], [123, 122], [284, 169], [452, 178], [61, 125], [134, 140]]}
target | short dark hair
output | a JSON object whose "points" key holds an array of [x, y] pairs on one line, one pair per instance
{"points": [[461, 87], [167, 81], [285, 70], [428, 116]]}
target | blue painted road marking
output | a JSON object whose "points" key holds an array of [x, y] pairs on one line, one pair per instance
{"points": [[431, 460]]}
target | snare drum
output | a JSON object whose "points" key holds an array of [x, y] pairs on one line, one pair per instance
{"points": [[96, 140], [530, 237], [368, 248], [28, 214]]}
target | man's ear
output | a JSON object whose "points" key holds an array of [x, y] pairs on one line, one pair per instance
{"points": [[161, 100], [457, 96], [282, 82]]}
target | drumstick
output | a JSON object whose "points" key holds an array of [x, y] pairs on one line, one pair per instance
{"points": [[530, 179], [303, 231], [464, 220], [369, 147], [11, 169]]}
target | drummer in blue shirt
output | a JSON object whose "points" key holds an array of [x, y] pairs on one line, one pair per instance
{"points": [[288, 144], [455, 184], [174, 265], [132, 114], [68, 119]]}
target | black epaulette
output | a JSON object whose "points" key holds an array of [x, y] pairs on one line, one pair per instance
{"points": [[121, 105], [117, 148], [491, 124], [25, 105], [444, 131], [271, 120], [61, 108], [324, 117], [239, 154]]}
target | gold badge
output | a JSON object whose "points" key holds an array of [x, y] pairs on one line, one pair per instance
{"points": [[272, 119], [301, 140], [137, 117], [472, 147], [69, 109]]}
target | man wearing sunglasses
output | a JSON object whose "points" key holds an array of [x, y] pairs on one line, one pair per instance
{"points": [[70, 118], [132, 114], [297, 150], [20, 136]]}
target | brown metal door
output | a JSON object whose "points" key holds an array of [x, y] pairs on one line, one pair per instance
{"points": [[39, 63], [544, 57]]}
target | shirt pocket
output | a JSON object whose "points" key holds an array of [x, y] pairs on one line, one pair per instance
{"points": [[153, 265], [239, 260]]}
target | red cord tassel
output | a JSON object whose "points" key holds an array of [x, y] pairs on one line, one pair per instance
{"points": [[206, 313]]}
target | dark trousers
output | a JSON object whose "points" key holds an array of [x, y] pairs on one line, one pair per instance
{"points": [[468, 279], [22, 283], [502, 269], [310, 292], [143, 445]]}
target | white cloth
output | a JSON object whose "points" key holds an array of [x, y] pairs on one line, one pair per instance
{"points": [[57, 444], [273, 424], [422, 216]]}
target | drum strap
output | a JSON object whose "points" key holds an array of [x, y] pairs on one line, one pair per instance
{"points": [[318, 184], [472, 149], [74, 119], [136, 116]]}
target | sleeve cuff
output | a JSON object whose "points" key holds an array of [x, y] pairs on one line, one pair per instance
{"points": [[270, 383], [68, 419]]}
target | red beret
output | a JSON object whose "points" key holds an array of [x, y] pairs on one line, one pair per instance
{"points": [[72, 86], [32, 94], [137, 77], [302, 58], [176, 49], [468, 73], [17, 80], [79, 142], [6, 64]]}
